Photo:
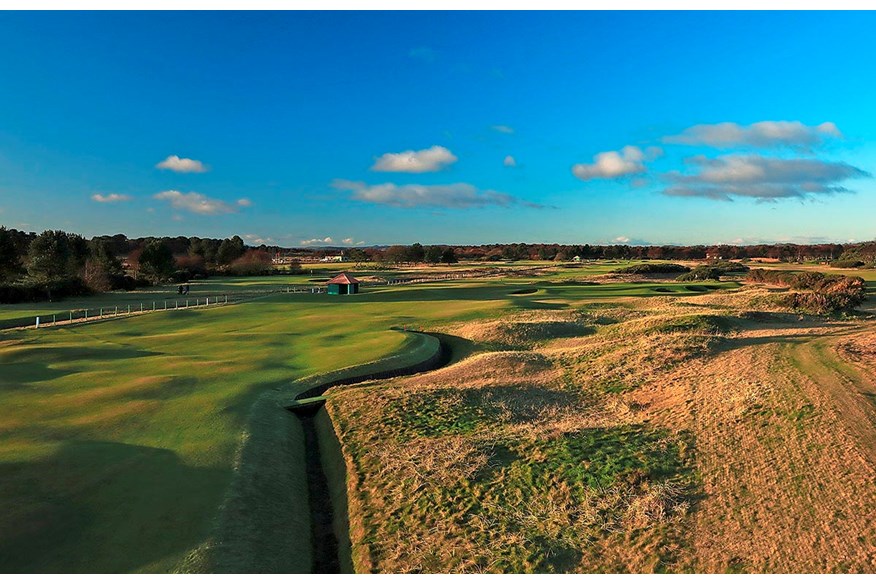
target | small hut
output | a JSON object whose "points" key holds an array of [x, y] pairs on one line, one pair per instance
{"points": [[343, 283]]}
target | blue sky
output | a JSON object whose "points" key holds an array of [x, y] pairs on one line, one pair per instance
{"points": [[389, 128]]}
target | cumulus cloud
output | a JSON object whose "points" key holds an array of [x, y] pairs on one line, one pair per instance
{"points": [[613, 164], [110, 198], [759, 177], [416, 161], [456, 196], [509, 161], [502, 129], [761, 134], [177, 164], [624, 240], [195, 203], [244, 203], [255, 239], [317, 241]]}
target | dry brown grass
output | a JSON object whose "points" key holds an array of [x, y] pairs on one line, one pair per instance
{"points": [[680, 435]]}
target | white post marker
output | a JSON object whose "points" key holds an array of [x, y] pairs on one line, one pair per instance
{"points": [[37, 322]]}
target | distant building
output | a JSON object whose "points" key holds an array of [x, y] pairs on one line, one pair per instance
{"points": [[335, 259], [343, 283]]}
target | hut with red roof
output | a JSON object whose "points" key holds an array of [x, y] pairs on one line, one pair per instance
{"points": [[343, 283]]}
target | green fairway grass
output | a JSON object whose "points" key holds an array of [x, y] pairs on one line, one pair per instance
{"points": [[118, 438]]}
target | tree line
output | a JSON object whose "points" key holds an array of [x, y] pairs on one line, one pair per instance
{"points": [[56, 263]]}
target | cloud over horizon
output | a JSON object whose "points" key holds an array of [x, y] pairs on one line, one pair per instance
{"points": [[452, 196], [196, 203], [315, 240], [415, 161], [617, 164], [110, 198], [759, 177], [761, 134], [185, 165]]}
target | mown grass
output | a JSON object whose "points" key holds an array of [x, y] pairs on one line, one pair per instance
{"points": [[117, 439]]}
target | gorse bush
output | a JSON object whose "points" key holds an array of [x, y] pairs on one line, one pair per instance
{"points": [[847, 263], [33, 291], [701, 273], [653, 269], [818, 293], [726, 267]]}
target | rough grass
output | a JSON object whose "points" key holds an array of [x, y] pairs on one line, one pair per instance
{"points": [[118, 439], [615, 427]]}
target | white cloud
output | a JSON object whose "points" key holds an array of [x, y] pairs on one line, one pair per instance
{"points": [[177, 164], [195, 203], [244, 203], [759, 177], [509, 161], [416, 161], [761, 134], [621, 239], [256, 239], [613, 164], [347, 241], [110, 198], [502, 129], [457, 196], [317, 240]]}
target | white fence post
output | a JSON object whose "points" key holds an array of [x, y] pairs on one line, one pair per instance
{"points": [[37, 322]]}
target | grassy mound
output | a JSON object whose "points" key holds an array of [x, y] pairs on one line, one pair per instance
{"points": [[524, 333]]}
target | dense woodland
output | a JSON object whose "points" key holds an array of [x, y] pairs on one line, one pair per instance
{"points": [[56, 263]]}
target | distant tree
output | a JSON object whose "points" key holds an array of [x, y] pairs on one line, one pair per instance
{"points": [[252, 263], [156, 261], [448, 256], [416, 253], [396, 254], [10, 262], [103, 270], [433, 254], [358, 256], [51, 257], [230, 250]]}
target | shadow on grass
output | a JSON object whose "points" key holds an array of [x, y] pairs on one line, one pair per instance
{"points": [[103, 507]]}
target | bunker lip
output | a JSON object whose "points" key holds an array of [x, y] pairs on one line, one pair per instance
{"points": [[326, 548]]}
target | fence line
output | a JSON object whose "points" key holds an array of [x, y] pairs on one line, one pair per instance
{"points": [[92, 314]]}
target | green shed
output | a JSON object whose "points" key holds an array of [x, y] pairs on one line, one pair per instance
{"points": [[343, 283]]}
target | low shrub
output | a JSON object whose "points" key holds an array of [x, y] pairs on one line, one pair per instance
{"points": [[847, 264], [815, 292], [653, 269], [701, 273], [726, 267], [42, 291]]}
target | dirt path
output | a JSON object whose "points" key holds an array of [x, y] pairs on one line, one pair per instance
{"points": [[786, 449]]}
